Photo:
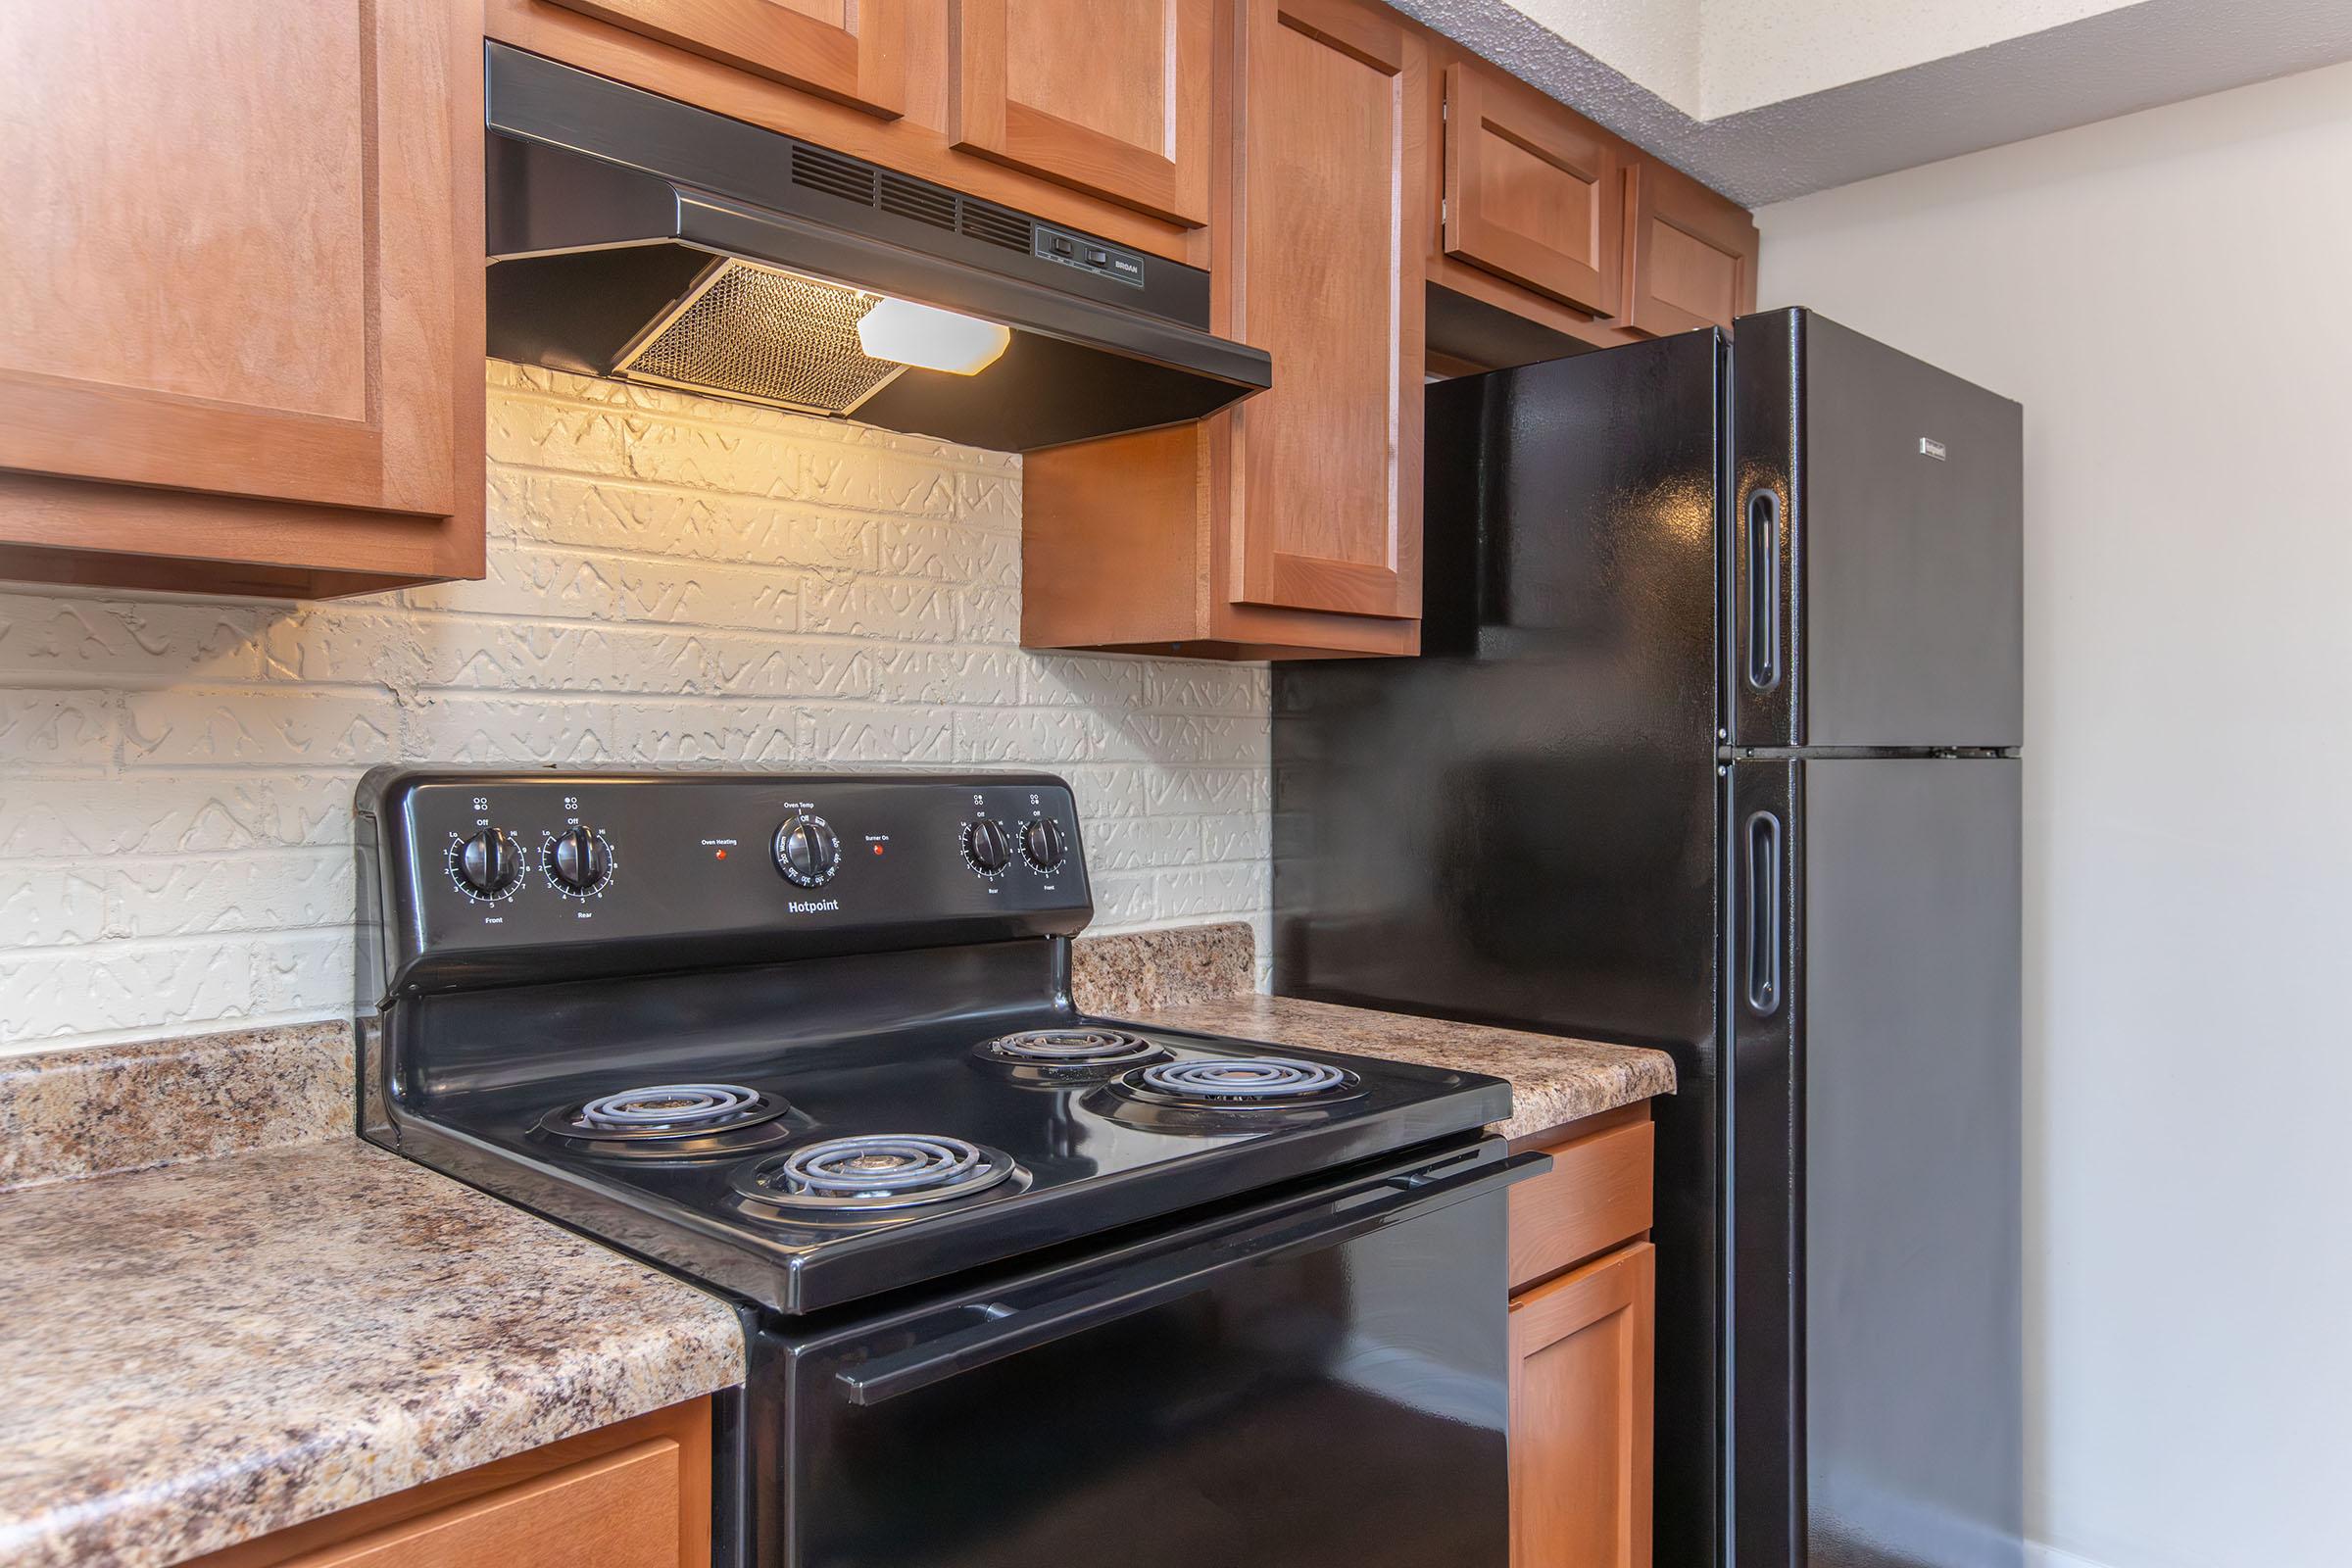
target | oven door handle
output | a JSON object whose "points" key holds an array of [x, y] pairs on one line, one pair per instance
{"points": [[1012, 1330]]}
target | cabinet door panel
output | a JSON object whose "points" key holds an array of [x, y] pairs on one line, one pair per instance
{"points": [[1531, 192], [1108, 98], [1690, 254], [620, 1511], [848, 50], [236, 253], [1329, 468], [1580, 1415]]}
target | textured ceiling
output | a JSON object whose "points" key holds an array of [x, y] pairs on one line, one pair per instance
{"points": [[2115, 63]]}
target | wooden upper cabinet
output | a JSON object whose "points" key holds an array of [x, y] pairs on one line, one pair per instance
{"points": [[1531, 191], [1691, 255], [1110, 97], [1581, 1382], [1327, 513], [241, 258], [1288, 526], [851, 51]]}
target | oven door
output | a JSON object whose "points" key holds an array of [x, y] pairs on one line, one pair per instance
{"points": [[1315, 1380]]}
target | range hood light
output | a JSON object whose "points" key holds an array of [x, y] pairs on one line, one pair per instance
{"points": [[925, 335]]}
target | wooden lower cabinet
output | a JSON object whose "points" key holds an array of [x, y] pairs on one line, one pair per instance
{"points": [[1582, 1344], [636, 1495], [1582, 1360]]}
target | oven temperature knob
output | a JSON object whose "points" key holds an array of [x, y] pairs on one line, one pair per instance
{"points": [[487, 865], [578, 860], [988, 847], [1041, 846], [807, 850]]}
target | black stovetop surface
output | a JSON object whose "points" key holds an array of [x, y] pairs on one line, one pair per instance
{"points": [[1090, 1157]]}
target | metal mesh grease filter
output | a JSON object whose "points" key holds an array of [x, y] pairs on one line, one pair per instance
{"points": [[775, 337]]}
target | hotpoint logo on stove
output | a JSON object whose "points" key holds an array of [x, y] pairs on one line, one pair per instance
{"points": [[812, 905]]}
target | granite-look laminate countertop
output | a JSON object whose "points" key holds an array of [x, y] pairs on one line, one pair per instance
{"points": [[198, 1354], [1553, 1078]]}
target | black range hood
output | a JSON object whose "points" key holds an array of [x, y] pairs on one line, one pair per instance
{"points": [[634, 237]]}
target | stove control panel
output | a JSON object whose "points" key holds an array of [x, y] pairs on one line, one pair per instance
{"points": [[465, 866]]}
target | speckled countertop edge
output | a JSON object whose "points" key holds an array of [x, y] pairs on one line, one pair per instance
{"points": [[200, 1354]]}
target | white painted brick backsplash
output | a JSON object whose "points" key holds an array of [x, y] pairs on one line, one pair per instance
{"points": [[674, 582]]}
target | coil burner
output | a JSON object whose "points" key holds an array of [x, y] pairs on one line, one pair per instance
{"points": [[1243, 1081], [881, 1175], [673, 1122], [1060, 1057], [1227, 1095]]}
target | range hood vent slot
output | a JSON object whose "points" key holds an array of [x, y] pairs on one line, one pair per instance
{"points": [[925, 204], [815, 169], [995, 224]]}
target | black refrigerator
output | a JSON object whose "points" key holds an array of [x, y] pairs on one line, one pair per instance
{"points": [[1714, 748]]}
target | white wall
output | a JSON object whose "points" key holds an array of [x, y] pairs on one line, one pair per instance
{"points": [[1712, 58], [674, 582], [1758, 52], [2170, 297]]}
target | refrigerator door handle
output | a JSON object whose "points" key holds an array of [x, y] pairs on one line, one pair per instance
{"points": [[1764, 590], [1761, 938]]}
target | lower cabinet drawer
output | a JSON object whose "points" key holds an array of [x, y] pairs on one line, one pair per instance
{"points": [[1596, 1195], [1581, 1352], [618, 1511]]}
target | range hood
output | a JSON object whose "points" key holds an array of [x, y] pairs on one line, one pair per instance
{"points": [[641, 238]]}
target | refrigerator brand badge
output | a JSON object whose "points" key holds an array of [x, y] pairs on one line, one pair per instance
{"points": [[1930, 447]]}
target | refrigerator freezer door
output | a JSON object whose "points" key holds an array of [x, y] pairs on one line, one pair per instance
{"points": [[1876, 1167], [1877, 537]]}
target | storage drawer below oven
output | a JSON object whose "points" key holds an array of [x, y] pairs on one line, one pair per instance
{"points": [[1319, 1382]]}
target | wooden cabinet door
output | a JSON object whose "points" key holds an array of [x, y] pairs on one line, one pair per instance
{"points": [[634, 1494], [1532, 191], [241, 251], [618, 1511], [1110, 97], [851, 51], [1580, 1415], [1326, 514], [1690, 254]]}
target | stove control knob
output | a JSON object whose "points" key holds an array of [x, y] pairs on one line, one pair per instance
{"points": [[988, 847], [807, 850], [1041, 846], [488, 865], [579, 860]]}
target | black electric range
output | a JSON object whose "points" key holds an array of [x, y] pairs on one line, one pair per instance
{"points": [[1010, 1276]]}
